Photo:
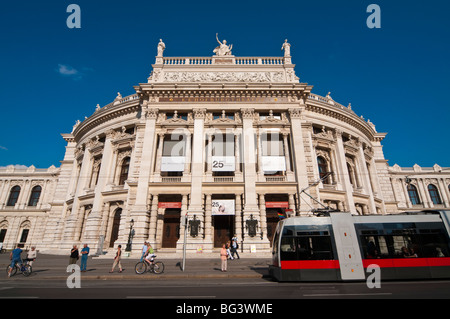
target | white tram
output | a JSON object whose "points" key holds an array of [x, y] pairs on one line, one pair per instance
{"points": [[340, 247]]}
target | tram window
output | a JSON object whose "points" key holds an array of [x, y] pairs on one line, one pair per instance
{"points": [[306, 248], [422, 243]]}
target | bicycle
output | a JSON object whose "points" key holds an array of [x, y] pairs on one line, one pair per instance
{"points": [[24, 268], [156, 267]]}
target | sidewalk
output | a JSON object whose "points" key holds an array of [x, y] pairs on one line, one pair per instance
{"points": [[47, 267]]}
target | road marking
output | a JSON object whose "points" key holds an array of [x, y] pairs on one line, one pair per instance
{"points": [[19, 297], [336, 295], [171, 297]]}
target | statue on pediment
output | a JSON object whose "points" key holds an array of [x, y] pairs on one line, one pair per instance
{"points": [[223, 49], [287, 48], [161, 48]]}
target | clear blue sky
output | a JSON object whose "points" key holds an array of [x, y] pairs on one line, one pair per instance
{"points": [[396, 76]]}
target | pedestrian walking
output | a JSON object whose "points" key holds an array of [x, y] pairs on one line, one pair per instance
{"points": [[73, 255], [84, 257], [228, 246], [117, 259], [144, 251], [31, 255], [234, 247], [224, 257]]}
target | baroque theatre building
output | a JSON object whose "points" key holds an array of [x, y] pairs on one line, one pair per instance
{"points": [[209, 148]]}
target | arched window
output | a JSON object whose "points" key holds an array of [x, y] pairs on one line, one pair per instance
{"points": [[124, 170], [13, 196], [413, 194], [35, 194], [434, 194], [323, 169]]}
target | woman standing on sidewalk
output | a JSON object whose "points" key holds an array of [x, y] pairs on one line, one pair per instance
{"points": [[224, 257], [117, 259]]}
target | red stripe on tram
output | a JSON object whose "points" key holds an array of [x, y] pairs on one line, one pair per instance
{"points": [[382, 263], [310, 264], [407, 262]]}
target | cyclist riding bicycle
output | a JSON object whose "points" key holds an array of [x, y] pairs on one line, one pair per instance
{"points": [[150, 254], [15, 258]]}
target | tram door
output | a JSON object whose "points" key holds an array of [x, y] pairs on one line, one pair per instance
{"points": [[171, 228], [223, 229]]}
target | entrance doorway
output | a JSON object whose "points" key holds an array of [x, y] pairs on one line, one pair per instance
{"points": [[171, 228], [276, 205], [272, 222], [223, 229], [115, 227]]}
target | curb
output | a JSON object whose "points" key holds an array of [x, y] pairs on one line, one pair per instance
{"points": [[159, 277]]}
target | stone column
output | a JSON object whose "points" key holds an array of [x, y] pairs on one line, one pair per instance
{"points": [[159, 152], [153, 216], [441, 187], [286, 153], [342, 163], [251, 204], [71, 221], [187, 165], [238, 217], [209, 154], [366, 179], [262, 216], [184, 211], [251, 208], [237, 153], [405, 193], [139, 212], [300, 165], [423, 191], [196, 196], [209, 243], [94, 219]]}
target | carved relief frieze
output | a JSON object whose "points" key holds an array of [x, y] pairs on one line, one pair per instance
{"points": [[220, 76], [326, 135], [274, 120]]}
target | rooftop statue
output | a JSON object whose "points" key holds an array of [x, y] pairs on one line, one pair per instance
{"points": [[161, 48], [287, 48], [223, 49]]}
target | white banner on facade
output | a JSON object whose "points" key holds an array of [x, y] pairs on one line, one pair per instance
{"points": [[223, 163], [274, 163], [172, 163], [223, 207]]}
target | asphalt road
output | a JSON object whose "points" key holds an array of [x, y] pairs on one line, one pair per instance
{"points": [[202, 280], [220, 289]]}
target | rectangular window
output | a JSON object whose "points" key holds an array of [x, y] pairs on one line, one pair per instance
{"points": [[272, 145], [223, 145], [23, 238], [174, 146], [403, 240], [300, 244]]}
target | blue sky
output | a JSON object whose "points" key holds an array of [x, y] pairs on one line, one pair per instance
{"points": [[396, 76]]}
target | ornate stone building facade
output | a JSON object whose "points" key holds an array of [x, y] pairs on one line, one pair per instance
{"points": [[223, 144]]}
